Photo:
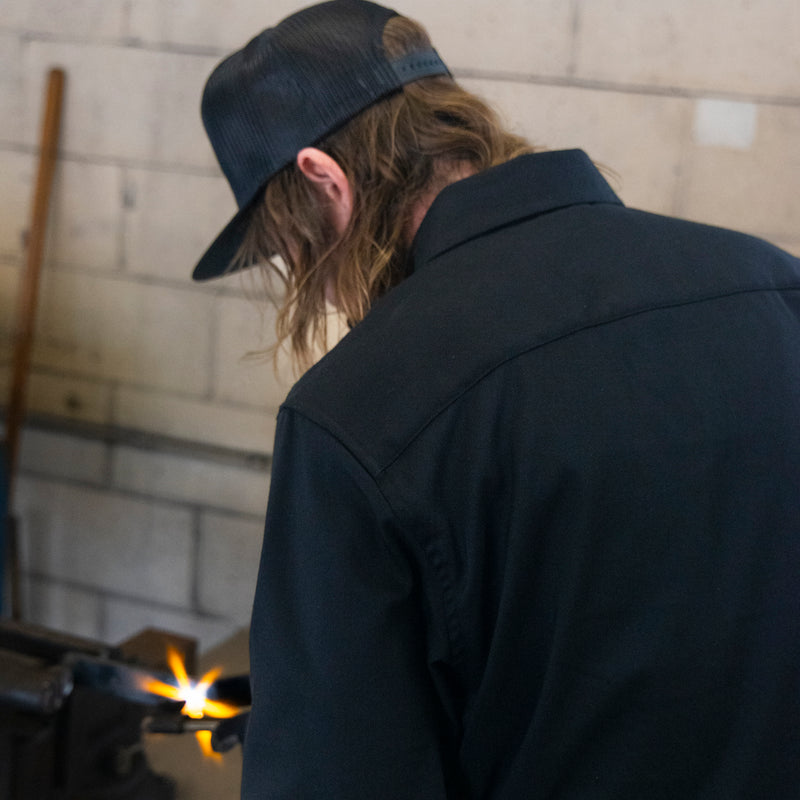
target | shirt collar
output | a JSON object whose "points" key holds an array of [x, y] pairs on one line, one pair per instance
{"points": [[524, 187]]}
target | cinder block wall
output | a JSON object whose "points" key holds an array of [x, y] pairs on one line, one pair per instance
{"points": [[145, 462]]}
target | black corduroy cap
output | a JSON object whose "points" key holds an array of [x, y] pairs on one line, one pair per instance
{"points": [[287, 89]]}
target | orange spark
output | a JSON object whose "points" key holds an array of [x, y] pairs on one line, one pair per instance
{"points": [[193, 694]]}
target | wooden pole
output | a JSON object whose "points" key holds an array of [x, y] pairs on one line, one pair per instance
{"points": [[26, 308]]}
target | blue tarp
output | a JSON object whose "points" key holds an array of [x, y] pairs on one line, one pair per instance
{"points": [[3, 526]]}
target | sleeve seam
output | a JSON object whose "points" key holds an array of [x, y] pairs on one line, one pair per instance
{"points": [[452, 627]]}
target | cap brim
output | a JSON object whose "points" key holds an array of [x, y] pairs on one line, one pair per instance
{"points": [[218, 259]]}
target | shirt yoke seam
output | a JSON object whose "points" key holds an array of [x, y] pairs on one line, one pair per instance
{"points": [[572, 332]]}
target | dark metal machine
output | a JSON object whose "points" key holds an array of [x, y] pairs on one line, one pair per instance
{"points": [[72, 714]]}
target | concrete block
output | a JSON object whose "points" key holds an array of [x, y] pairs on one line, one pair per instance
{"points": [[109, 107], [15, 13], [753, 189], [60, 396], [62, 608], [201, 481], [790, 245], [725, 123], [250, 431], [112, 328], [58, 455], [124, 618], [227, 566], [516, 36], [205, 23], [639, 138], [244, 372], [11, 95], [170, 220], [69, 397], [742, 46], [17, 178], [85, 216], [84, 18], [106, 541], [179, 137], [122, 102], [519, 36]]}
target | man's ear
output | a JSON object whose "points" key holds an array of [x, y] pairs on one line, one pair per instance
{"points": [[331, 181]]}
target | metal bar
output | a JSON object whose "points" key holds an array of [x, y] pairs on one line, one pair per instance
{"points": [[27, 684]]}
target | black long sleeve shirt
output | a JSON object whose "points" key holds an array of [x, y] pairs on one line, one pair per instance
{"points": [[534, 524]]}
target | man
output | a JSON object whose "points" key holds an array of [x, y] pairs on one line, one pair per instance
{"points": [[534, 523]]}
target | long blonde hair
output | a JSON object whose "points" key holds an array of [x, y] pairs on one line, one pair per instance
{"points": [[393, 154]]}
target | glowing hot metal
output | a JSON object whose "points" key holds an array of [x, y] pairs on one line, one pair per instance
{"points": [[193, 694]]}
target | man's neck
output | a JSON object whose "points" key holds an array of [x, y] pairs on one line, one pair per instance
{"points": [[454, 171]]}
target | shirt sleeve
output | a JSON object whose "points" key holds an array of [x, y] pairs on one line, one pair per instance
{"points": [[343, 706]]}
